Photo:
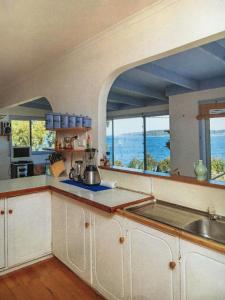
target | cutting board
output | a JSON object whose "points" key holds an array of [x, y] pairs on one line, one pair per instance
{"points": [[57, 168]]}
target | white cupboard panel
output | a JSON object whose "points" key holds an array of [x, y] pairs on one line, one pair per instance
{"points": [[202, 273], [150, 254], [29, 227], [59, 227], [2, 233], [71, 235], [78, 239], [108, 256]]}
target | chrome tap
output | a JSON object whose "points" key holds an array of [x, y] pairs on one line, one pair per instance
{"points": [[212, 214]]}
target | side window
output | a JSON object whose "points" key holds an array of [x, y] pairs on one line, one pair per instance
{"points": [[212, 125], [217, 148], [42, 139], [32, 133], [20, 133]]}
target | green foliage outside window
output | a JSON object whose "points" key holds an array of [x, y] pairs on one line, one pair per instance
{"points": [[20, 133], [41, 138]]}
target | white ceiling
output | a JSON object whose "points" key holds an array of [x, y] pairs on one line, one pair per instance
{"points": [[34, 31]]}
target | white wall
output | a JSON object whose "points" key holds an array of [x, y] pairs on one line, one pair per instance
{"points": [[79, 82], [184, 128]]}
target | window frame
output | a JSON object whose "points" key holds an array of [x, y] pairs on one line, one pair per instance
{"points": [[204, 116], [30, 119], [143, 116]]}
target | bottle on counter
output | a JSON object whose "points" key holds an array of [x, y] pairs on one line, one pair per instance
{"points": [[89, 143]]}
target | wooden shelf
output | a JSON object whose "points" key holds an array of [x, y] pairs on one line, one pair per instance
{"points": [[75, 129]]}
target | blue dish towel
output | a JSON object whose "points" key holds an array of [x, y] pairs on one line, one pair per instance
{"points": [[93, 188]]}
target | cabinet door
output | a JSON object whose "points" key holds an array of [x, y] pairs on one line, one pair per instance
{"points": [[29, 227], [78, 239], [71, 235], [202, 273], [59, 226], [150, 254], [108, 256], [2, 233]]}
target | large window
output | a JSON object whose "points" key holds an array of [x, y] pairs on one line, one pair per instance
{"points": [[140, 143], [157, 144], [217, 148], [32, 133], [129, 143]]}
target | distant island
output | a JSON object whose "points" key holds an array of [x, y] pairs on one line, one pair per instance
{"points": [[222, 132], [164, 133], [148, 132]]}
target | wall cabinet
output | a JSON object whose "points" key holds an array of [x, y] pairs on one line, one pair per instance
{"points": [[71, 235], [28, 227], [202, 273], [2, 233], [109, 257], [153, 263]]}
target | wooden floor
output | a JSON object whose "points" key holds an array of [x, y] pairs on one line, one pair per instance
{"points": [[46, 280]]}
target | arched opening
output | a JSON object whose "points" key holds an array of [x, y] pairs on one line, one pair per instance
{"points": [[28, 142], [152, 113]]}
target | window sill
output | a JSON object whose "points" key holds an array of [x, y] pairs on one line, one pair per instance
{"points": [[185, 179]]}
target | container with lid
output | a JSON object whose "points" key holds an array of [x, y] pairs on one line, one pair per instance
{"points": [[72, 121], [56, 120], [79, 121], [49, 121], [65, 121]]}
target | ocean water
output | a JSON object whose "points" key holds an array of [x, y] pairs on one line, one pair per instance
{"points": [[130, 146]]}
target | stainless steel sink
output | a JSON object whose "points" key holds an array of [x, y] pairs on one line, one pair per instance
{"points": [[211, 229], [183, 218]]}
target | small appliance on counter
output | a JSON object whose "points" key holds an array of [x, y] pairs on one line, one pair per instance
{"points": [[86, 171], [77, 171], [91, 173]]}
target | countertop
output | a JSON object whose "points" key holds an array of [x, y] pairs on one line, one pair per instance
{"points": [[108, 200]]}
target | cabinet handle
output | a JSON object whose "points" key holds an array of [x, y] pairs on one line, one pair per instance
{"points": [[87, 224], [172, 265], [2, 212], [10, 211], [121, 240]]}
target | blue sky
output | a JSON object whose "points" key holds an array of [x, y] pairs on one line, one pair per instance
{"points": [[217, 123], [122, 126]]}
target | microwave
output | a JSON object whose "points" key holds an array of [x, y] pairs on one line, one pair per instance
{"points": [[20, 153]]}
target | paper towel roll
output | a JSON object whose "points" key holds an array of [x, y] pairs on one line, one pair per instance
{"points": [[110, 184]]}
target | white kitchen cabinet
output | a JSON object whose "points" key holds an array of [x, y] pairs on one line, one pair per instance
{"points": [[202, 273], [71, 235], [2, 233], [152, 257], [28, 227], [109, 262]]}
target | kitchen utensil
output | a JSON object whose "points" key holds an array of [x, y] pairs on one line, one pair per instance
{"points": [[91, 173]]}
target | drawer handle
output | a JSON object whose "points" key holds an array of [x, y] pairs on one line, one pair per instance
{"points": [[2, 212], [10, 211], [121, 240], [172, 265], [87, 224]]}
